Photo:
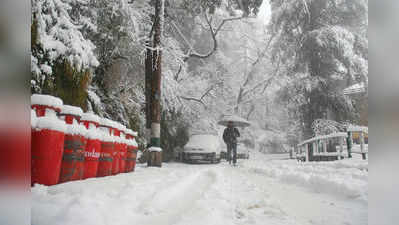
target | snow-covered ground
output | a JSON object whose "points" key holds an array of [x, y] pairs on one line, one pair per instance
{"points": [[266, 189]]}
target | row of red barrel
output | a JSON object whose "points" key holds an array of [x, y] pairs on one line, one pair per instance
{"points": [[69, 145]]}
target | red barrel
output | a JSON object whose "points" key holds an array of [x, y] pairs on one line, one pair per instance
{"points": [[123, 150], [93, 145], [47, 140], [131, 150], [107, 149], [72, 166], [118, 148]]}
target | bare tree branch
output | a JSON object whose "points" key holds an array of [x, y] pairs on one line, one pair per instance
{"points": [[213, 31], [193, 99], [251, 110], [200, 100], [242, 93]]}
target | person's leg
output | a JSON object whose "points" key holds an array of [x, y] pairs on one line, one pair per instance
{"points": [[234, 153], [228, 157]]}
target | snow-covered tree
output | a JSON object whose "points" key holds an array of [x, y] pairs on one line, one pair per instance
{"points": [[324, 46], [62, 57]]}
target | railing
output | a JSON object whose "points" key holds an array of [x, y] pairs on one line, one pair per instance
{"points": [[315, 149]]}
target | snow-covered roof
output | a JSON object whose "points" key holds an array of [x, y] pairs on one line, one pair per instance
{"points": [[355, 128], [333, 135], [356, 88], [48, 100], [71, 110]]}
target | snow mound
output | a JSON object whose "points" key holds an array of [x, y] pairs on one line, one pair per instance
{"points": [[118, 126], [93, 133], [354, 128], [71, 110], [33, 118], [104, 135], [155, 149], [90, 117], [106, 122], [48, 100], [131, 132], [76, 129], [50, 123], [347, 178]]}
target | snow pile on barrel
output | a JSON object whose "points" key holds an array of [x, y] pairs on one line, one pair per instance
{"points": [[71, 110], [33, 118], [47, 100], [50, 123], [90, 117], [92, 132], [105, 124], [75, 128], [131, 132]]}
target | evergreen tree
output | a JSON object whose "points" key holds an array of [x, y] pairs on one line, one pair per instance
{"points": [[324, 45]]}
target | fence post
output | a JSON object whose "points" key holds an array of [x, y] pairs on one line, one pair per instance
{"points": [[341, 147], [362, 145], [349, 144]]}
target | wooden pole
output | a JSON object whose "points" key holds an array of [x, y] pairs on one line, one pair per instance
{"points": [[155, 158], [148, 77]]}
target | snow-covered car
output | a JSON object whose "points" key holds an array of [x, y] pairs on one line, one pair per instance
{"points": [[202, 148]]}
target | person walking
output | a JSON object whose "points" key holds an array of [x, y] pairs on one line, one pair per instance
{"points": [[230, 135]]}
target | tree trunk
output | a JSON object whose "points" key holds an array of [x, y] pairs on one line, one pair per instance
{"points": [[155, 158]]}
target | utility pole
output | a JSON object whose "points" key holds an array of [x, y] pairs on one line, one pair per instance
{"points": [[155, 158]]}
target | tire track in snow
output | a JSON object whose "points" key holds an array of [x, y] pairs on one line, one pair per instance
{"points": [[168, 205], [252, 204]]}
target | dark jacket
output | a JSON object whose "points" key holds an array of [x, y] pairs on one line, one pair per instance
{"points": [[230, 135]]}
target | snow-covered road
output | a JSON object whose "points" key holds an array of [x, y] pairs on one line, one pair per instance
{"points": [[262, 190]]}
